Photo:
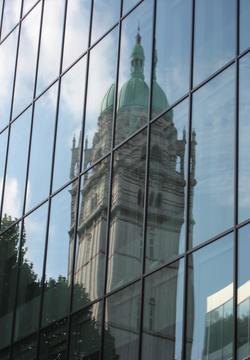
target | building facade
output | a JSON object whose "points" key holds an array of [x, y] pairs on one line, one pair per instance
{"points": [[124, 172]]}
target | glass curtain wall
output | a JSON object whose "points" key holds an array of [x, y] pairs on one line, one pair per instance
{"points": [[124, 179]]}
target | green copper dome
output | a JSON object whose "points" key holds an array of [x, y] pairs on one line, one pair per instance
{"points": [[134, 93], [160, 102], [108, 100]]}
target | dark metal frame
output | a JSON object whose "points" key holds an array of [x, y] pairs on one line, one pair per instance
{"points": [[189, 95]]}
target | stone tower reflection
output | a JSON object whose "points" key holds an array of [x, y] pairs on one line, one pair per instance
{"points": [[166, 207]]}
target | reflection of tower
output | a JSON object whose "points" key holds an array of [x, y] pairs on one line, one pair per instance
{"points": [[166, 198]]}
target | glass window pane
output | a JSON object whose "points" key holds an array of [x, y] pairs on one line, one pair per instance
{"points": [[77, 30], [126, 226], [163, 314], [30, 273], [122, 321], [215, 30], [100, 99], [51, 43], [128, 5], [17, 166], [59, 257], [172, 53], [85, 340], [91, 235], [53, 341], [27, 58], [11, 16], [9, 249], [69, 126], [167, 187], [210, 302], [244, 24], [212, 158], [27, 5], [3, 144], [26, 349], [7, 67], [101, 24], [244, 141], [243, 293], [134, 71], [41, 148]]}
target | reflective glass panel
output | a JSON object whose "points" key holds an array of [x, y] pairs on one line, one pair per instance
{"points": [[100, 99], [7, 66], [243, 293], [122, 322], [41, 148], [215, 30], [3, 144], [101, 24], [30, 273], [91, 235], [27, 5], [126, 226], [163, 314], [128, 5], [210, 302], [11, 16], [212, 158], [17, 166], [134, 71], [53, 341], [27, 58], [51, 43], [69, 126], [244, 24], [26, 349], [9, 249], [85, 340], [77, 30], [59, 256], [167, 187], [244, 140], [172, 53]]}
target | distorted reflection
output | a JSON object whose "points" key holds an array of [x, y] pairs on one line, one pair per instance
{"points": [[25, 349], [69, 125], [90, 257], [167, 187], [210, 302], [134, 74], [210, 50], [7, 67], [30, 273], [51, 43], [77, 30], [244, 141], [89, 322], [41, 148], [172, 52], [9, 247], [126, 224], [243, 294], [212, 158], [100, 24], [11, 16], [27, 59], [122, 323], [244, 24], [163, 314], [17, 166], [100, 99], [3, 143]]}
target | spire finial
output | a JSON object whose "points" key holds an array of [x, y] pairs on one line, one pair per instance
{"points": [[138, 36]]}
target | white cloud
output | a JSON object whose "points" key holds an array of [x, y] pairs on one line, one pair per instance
{"points": [[12, 204]]}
